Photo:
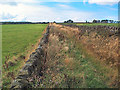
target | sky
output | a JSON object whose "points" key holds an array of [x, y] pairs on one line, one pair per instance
{"points": [[58, 10]]}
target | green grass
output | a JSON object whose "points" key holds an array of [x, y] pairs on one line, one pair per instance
{"points": [[86, 72], [95, 24], [17, 38], [16, 41]]}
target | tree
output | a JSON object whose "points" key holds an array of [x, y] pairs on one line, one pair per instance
{"points": [[54, 22], [69, 21], [111, 21], [104, 21], [94, 21], [65, 21]]}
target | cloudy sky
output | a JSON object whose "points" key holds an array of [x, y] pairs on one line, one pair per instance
{"points": [[58, 10]]}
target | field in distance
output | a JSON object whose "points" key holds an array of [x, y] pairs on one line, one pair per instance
{"points": [[17, 42], [93, 24]]}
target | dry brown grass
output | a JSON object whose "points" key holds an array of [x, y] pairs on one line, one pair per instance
{"points": [[63, 67], [104, 49]]}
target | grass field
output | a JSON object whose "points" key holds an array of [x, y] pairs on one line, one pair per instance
{"points": [[17, 41], [71, 61], [94, 24]]}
